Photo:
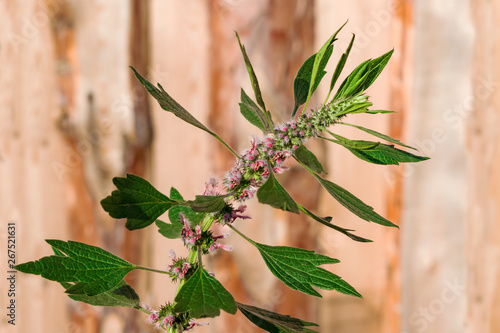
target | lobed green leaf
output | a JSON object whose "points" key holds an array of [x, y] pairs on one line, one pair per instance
{"points": [[137, 201], [170, 230], [207, 203], [203, 296], [274, 322], [90, 268]]}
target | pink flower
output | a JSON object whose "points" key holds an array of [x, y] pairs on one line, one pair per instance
{"points": [[153, 317], [193, 323], [188, 235], [210, 186], [168, 320]]}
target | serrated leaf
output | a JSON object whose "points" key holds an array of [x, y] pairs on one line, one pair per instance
{"points": [[121, 295], [303, 78], [253, 78], [274, 322], [386, 155], [273, 194], [355, 205], [203, 296], [137, 201], [306, 157], [90, 268], [363, 76], [318, 60], [169, 230], [379, 135], [327, 222], [207, 203], [173, 213], [167, 103], [297, 268], [253, 113]]}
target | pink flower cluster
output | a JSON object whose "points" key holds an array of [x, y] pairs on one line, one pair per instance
{"points": [[179, 267], [189, 236], [165, 319], [194, 237]]}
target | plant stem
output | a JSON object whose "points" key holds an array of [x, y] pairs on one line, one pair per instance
{"points": [[239, 233], [193, 256], [152, 270]]}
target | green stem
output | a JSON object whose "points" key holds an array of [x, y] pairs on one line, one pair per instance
{"points": [[226, 145], [193, 253], [152, 270], [242, 235]]}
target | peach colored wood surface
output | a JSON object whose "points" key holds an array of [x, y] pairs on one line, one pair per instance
{"points": [[73, 117]]}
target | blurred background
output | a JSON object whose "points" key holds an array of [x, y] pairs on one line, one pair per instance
{"points": [[73, 117]]}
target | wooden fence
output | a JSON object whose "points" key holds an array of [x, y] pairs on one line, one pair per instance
{"points": [[73, 117]]}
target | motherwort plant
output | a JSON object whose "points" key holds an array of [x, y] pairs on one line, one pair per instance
{"points": [[92, 275]]}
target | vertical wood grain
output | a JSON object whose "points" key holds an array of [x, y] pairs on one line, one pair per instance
{"points": [[435, 196], [481, 120]]}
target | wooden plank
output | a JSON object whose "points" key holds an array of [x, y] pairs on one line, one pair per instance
{"points": [[31, 193], [481, 122], [436, 195]]}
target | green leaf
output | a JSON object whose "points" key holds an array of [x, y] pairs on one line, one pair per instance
{"points": [[297, 268], [340, 67], [167, 103], [362, 76], [327, 221], [386, 154], [306, 157], [356, 144], [253, 79], [355, 205], [378, 111], [173, 213], [173, 229], [253, 113], [169, 230], [121, 295], [137, 201], [303, 78], [207, 203], [273, 194], [322, 53], [379, 135], [92, 269], [203, 296], [274, 322]]}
